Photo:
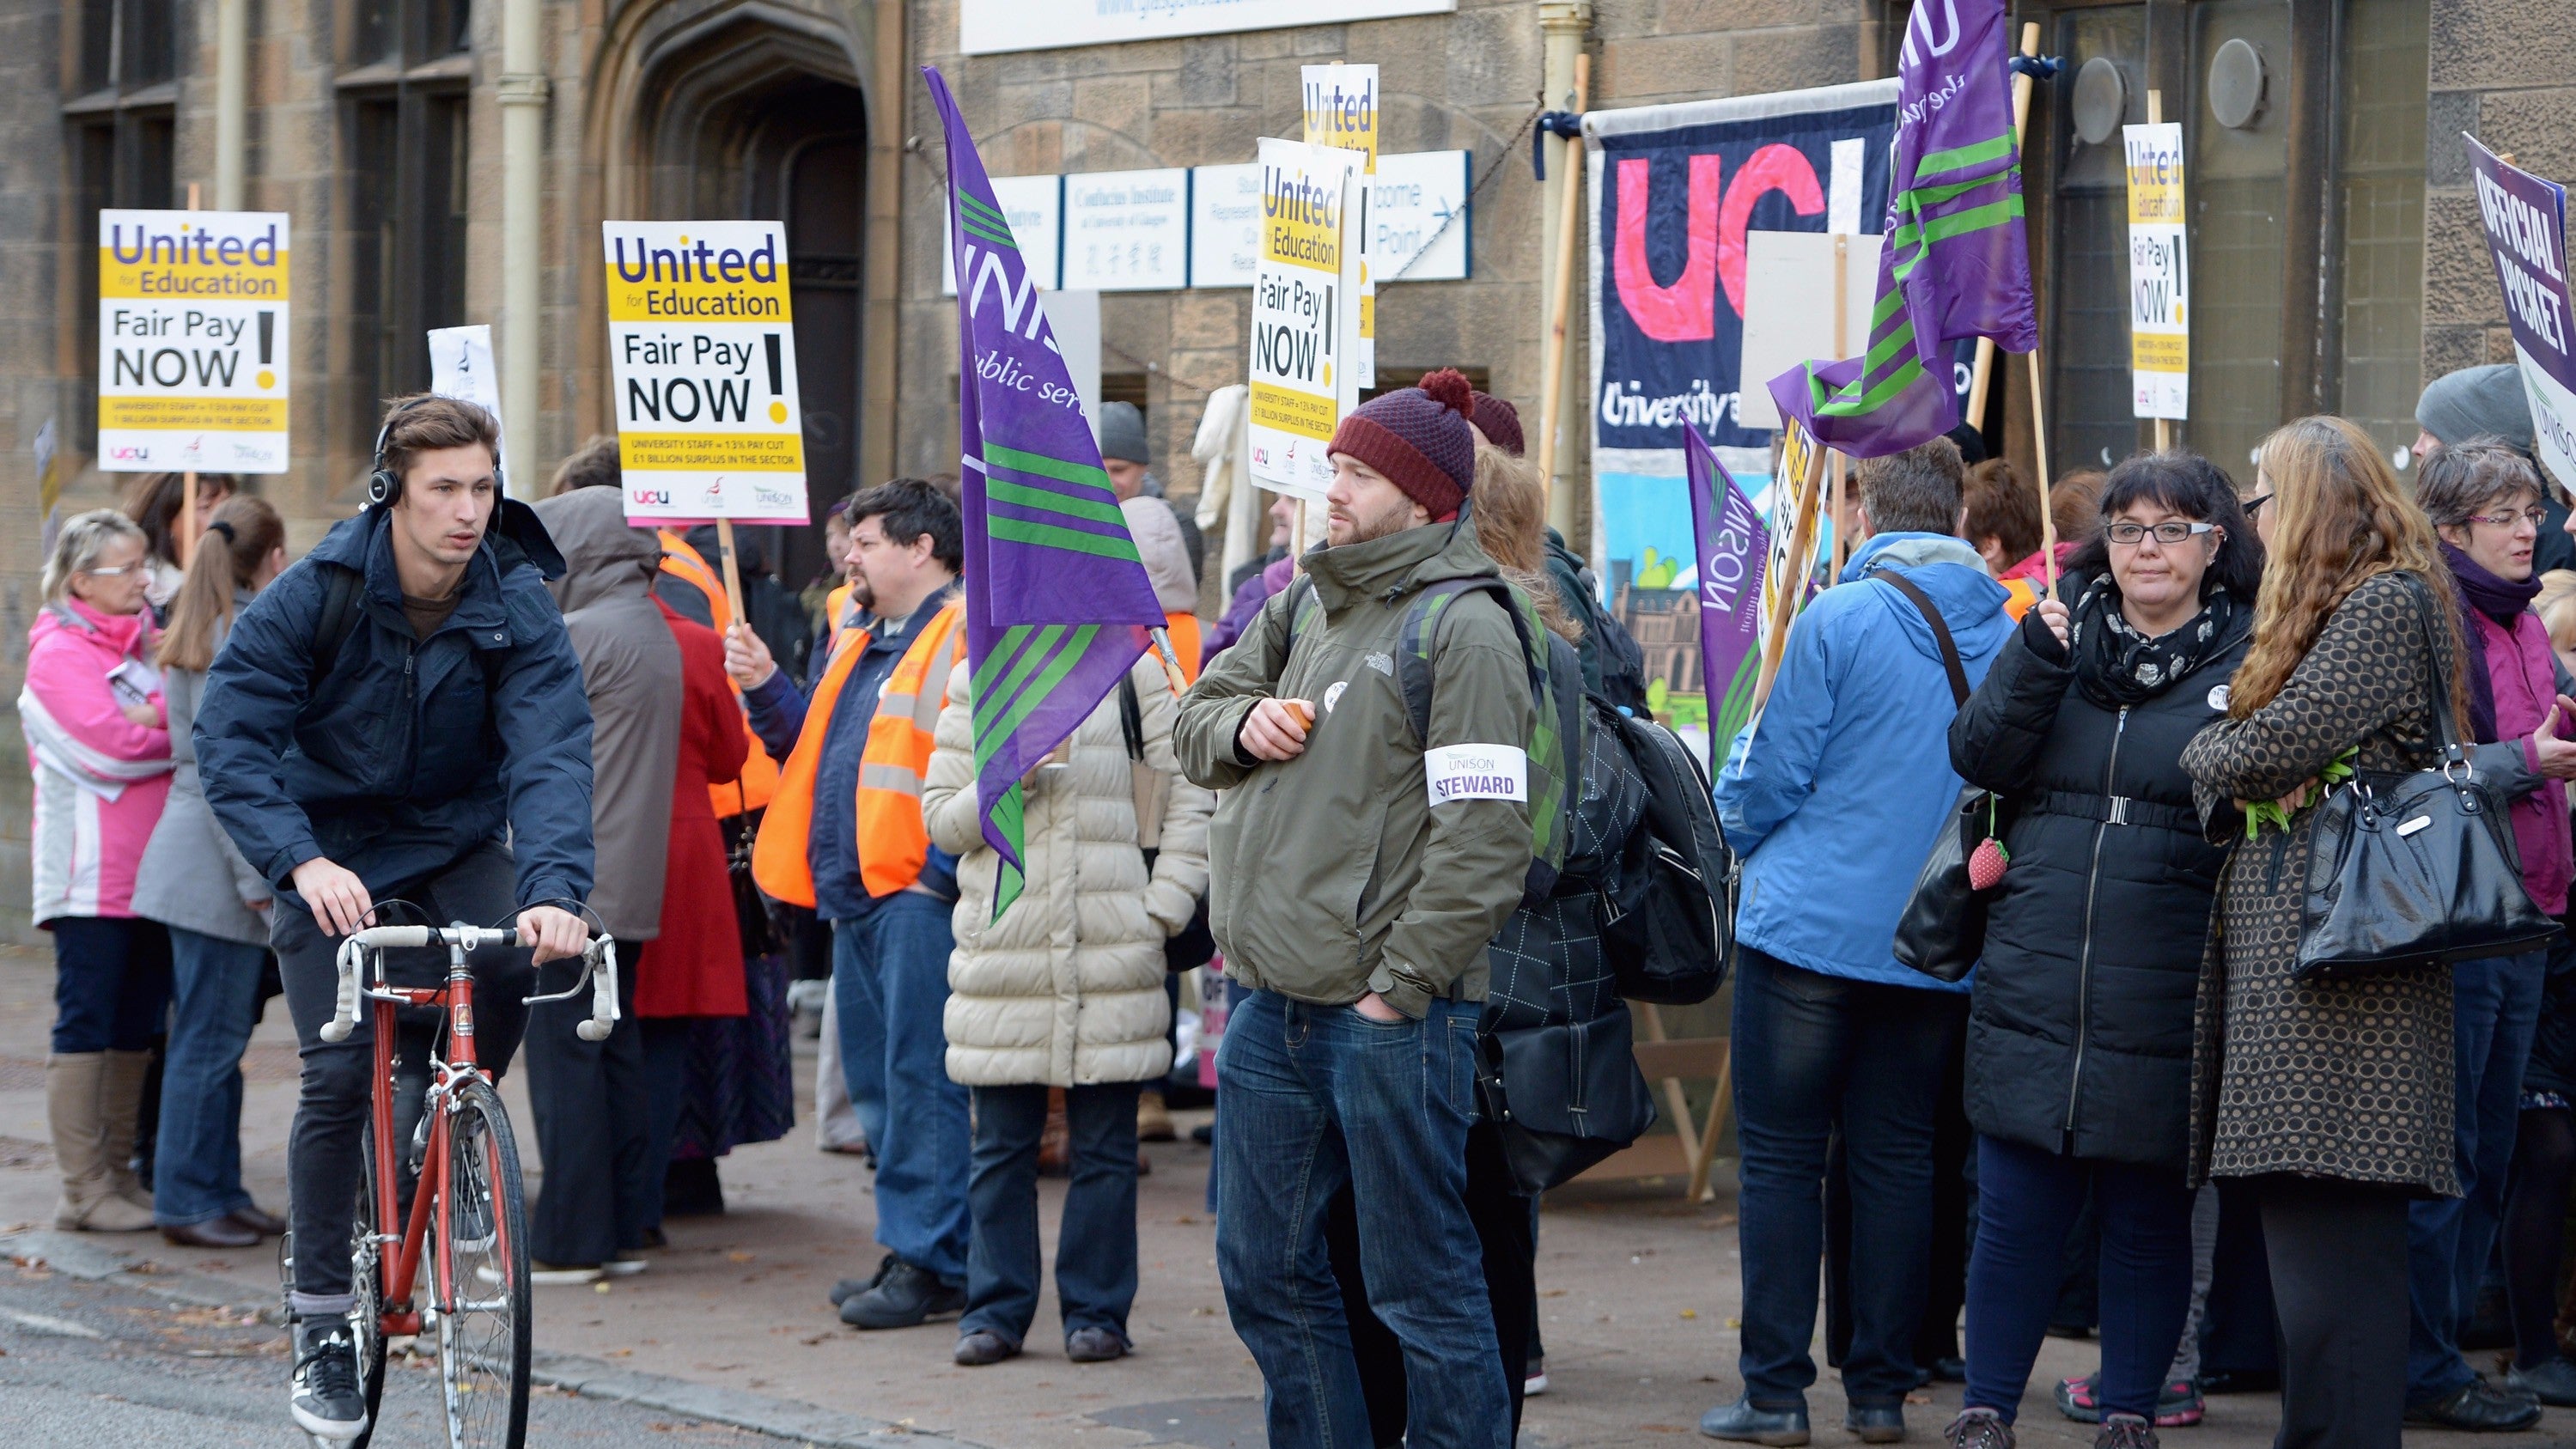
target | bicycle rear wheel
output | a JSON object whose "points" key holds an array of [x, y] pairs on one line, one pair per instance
{"points": [[367, 1280], [483, 1330]]}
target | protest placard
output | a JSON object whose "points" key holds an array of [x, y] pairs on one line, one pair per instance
{"points": [[460, 366], [1341, 107], [2159, 274], [1305, 313], [702, 357], [2526, 225], [192, 313]]}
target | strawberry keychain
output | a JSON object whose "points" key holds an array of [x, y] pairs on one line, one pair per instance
{"points": [[1987, 862]]}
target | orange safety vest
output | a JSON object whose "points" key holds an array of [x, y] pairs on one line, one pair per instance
{"points": [[836, 607], [759, 779], [1186, 643], [893, 842], [2020, 594]]}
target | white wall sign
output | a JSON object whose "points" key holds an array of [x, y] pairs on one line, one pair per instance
{"points": [[192, 341], [1034, 206], [1127, 231], [1411, 199], [702, 358], [1305, 313], [987, 26], [460, 366], [1225, 225]]}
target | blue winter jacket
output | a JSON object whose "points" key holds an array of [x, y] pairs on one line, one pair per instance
{"points": [[409, 753], [1835, 793]]}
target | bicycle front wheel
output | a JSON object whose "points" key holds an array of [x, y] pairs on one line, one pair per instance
{"points": [[483, 1326], [366, 1279]]}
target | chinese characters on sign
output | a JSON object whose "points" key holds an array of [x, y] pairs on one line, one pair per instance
{"points": [[1127, 231]]}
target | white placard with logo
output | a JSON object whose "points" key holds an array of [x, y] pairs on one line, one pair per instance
{"points": [[1305, 313], [1417, 217], [192, 341], [2159, 273], [1034, 206], [985, 27], [1340, 109], [702, 363], [461, 367], [1127, 231]]}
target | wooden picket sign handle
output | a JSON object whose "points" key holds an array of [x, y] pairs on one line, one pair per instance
{"points": [[732, 576], [188, 481], [1569, 212]]}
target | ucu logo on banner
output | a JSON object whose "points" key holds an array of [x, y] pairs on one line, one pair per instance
{"points": [[1685, 310]]}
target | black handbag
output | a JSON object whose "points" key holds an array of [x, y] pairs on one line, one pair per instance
{"points": [[2417, 869], [1943, 929], [1581, 1097]]}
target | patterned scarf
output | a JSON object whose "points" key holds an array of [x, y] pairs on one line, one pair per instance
{"points": [[2118, 667]]}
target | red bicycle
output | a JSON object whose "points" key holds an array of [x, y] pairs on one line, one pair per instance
{"points": [[467, 1218]]}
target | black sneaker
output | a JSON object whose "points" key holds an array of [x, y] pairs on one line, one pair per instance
{"points": [[905, 1296], [849, 1288], [325, 1397], [2478, 1407]]}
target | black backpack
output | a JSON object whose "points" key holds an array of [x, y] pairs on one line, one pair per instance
{"points": [[1669, 927]]}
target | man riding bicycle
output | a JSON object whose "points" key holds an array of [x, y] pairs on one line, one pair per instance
{"points": [[399, 716]]}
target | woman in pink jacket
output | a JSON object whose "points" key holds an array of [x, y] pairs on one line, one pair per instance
{"points": [[98, 745]]}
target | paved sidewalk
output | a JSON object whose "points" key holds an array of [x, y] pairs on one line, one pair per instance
{"points": [[1638, 1298]]}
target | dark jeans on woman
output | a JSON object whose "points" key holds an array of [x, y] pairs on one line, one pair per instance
{"points": [[1813, 1053], [111, 983], [2026, 1200], [215, 1004], [2338, 1256], [322, 1156], [1506, 1228], [592, 1110], [2495, 1006], [1095, 1245], [2535, 1229]]}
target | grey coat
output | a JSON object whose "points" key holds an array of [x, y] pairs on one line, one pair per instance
{"points": [[192, 875], [630, 669]]}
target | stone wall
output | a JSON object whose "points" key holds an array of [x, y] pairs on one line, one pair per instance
{"points": [[2504, 71]]}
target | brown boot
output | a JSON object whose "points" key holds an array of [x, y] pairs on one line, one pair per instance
{"points": [[120, 1105], [1153, 1119], [89, 1201], [1055, 1140]]}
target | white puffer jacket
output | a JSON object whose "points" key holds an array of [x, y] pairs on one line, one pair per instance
{"points": [[1067, 988]]}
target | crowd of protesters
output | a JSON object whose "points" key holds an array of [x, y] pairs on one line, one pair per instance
{"points": [[2340, 1185]]}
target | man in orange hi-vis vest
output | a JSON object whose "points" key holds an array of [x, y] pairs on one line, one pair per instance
{"points": [[844, 835]]}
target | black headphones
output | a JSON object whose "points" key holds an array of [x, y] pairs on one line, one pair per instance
{"points": [[382, 485]]}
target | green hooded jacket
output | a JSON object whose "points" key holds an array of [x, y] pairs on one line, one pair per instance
{"points": [[1334, 875]]}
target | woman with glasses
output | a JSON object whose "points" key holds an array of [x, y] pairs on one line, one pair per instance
{"points": [[2484, 499], [98, 745], [2079, 1025]]}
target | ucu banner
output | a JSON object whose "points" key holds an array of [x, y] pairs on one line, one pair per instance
{"points": [[1677, 190]]}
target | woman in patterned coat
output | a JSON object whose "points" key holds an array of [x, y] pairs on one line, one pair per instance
{"points": [[2333, 1096]]}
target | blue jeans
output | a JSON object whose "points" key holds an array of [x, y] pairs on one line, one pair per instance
{"points": [[860, 1022], [2026, 1201], [893, 970], [1095, 1246], [1316, 1097], [1813, 1051], [196, 1159], [2495, 1006]]}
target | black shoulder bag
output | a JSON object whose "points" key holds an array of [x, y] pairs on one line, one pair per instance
{"points": [[1943, 930], [2419, 870]]}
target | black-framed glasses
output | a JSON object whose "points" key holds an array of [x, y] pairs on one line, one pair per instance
{"points": [[2172, 531]]}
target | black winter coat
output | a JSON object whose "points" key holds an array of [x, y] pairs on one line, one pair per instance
{"points": [[2080, 1022]]}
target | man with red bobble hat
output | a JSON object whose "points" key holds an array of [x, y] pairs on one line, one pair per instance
{"points": [[1359, 872]]}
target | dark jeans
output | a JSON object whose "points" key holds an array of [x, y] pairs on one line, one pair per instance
{"points": [[592, 1119], [1095, 1245], [111, 984], [2495, 1005], [1814, 1051], [1507, 1231], [894, 970], [196, 1173], [1314, 1097], [2026, 1200], [2535, 1230], [322, 1157], [2338, 1257]]}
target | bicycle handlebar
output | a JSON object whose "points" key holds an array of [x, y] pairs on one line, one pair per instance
{"points": [[598, 958]]}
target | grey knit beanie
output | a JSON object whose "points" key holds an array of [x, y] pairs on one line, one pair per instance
{"points": [[1122, 433], [2477, 402]]}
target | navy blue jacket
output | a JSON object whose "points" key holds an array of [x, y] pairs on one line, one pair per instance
{"points": [[409, 753]]}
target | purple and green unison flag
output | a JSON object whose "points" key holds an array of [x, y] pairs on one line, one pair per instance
{"points": [[1734, 548], [1057, 605], [1953, 261]]}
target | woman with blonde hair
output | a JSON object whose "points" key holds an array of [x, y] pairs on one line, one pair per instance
{"points": [[194, 880], [1510, 511], [2333, 1095]]}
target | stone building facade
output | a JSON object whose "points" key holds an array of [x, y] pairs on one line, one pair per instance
{"points": [[376, 124]]}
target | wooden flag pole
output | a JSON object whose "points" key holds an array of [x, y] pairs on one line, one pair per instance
{"points": [[2155, 117], [732, 576], [1792, 581], [1983, 374], [1569, 213], [1171, 662], [188, 481], [2038, 374], [1842, 349]]}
